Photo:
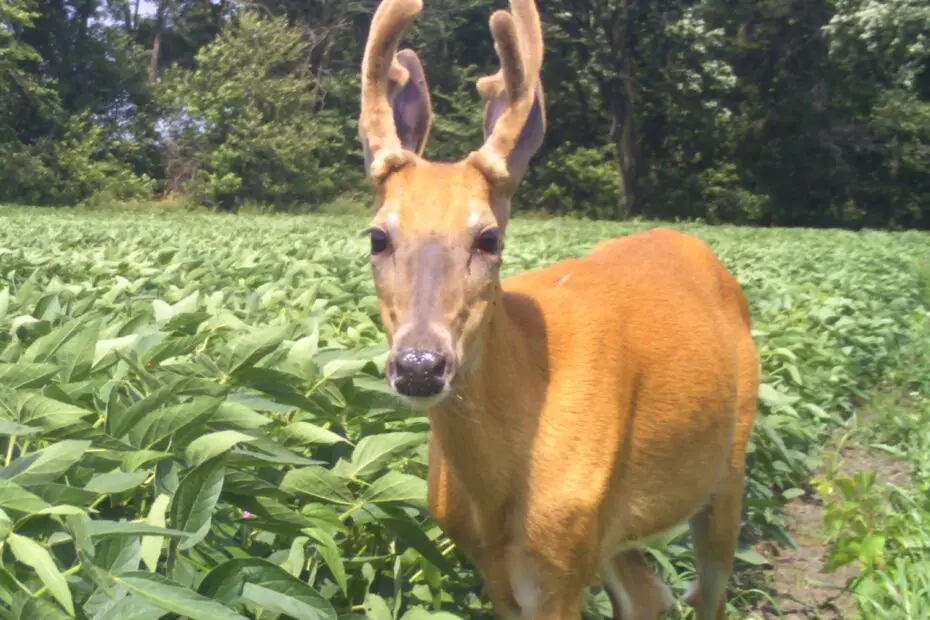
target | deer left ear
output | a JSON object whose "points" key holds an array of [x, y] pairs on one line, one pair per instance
{"points": [[410, 100], [532, 134]]}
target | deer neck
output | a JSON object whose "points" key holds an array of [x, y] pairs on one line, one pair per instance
{"points": [[490, 419]]}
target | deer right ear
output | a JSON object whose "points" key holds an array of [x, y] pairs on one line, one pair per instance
{"points": [[411, 106], [413, 113]]}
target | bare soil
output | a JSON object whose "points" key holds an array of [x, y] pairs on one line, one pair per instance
{"points": [[796, 581]]}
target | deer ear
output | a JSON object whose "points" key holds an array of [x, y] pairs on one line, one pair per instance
{"points": [[534, 130], [411, 107], [410, 100]]}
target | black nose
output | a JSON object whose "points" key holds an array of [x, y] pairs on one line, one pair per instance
{"points": [[419, 372]]}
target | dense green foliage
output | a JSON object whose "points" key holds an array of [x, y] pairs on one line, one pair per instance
{"points": [[745, 111], [193, 416]]}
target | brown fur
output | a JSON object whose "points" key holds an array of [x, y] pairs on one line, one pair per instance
{"points": [[590, 404]]}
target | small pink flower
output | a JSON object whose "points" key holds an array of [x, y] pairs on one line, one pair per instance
{"points": [[246, 515]]}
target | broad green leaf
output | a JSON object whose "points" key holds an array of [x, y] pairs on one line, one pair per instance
{"points": [[13, 429], [102, 527], [80, 531], [319, 483], [411, 533], [212, 444], [6, 525], [751, 556], [165, 312], [310, 434], [397, 487], [24, 375], [773, 398], [229, 581], [41, 609], [45, 465], [33, 554], [418, 613], [376, 608], [119, 422], [277, 602], [239, 416], [132, 607], [116, 482], [374, 452], [104, 347], [15, 498], [161, 423], [175, 598], [193, 505], [47, 346], [40, 411], [249, 349], [330, 553], [151, 545]]}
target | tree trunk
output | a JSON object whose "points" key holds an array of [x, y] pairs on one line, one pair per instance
{"points": [[624, 137], [160, 17]]}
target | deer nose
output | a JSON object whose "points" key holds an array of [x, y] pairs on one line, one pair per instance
{"points": [[419, 372]]}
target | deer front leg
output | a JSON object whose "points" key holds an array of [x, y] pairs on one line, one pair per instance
{"points": [[449, 505]]}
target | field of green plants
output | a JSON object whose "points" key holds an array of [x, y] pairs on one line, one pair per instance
{"points": [[194, 423]]}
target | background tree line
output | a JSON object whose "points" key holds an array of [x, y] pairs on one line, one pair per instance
{"points": [[773, 112]]}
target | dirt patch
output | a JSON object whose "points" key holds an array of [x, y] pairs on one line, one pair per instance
{"points": [[796, 581]]}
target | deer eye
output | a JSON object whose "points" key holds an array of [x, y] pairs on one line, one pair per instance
{"points": [[489, 241], [379, 240]]}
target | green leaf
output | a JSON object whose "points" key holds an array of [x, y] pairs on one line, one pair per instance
{"points": [[6, 525], [16, 498], [397, 487], [174, 597], [161, 423], [115, 482], [102, 527], [25, 375], [41, 609], [83, 542], [151, 545], [76, 355], [46, 465], [132, 608], [318, 483], [751, 556], [39, 411], [418, 613], [411, 533], [210, 445], [196, 498], [306, 433], [229, 582], [4, 301], [376, 608], [277, 602], [35, 555], [249, 349], [12, 429], [374, 452], [330, 553]]}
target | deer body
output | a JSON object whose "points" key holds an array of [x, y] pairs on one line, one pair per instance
{"points": [[575, 409], [545, 469]]}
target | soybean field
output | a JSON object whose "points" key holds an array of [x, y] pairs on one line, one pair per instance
{"points": [[194, 423]]}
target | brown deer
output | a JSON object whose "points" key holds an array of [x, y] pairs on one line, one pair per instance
{"points": [[575, 410]]}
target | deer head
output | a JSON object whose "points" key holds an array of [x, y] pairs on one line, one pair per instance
{"points": [[438, 230]]}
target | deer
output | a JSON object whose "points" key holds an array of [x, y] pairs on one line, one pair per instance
{"points": [[575, 410]]}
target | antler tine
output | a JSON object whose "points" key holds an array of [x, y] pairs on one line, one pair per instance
{"points": [[379, 67], [519, 45]]}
